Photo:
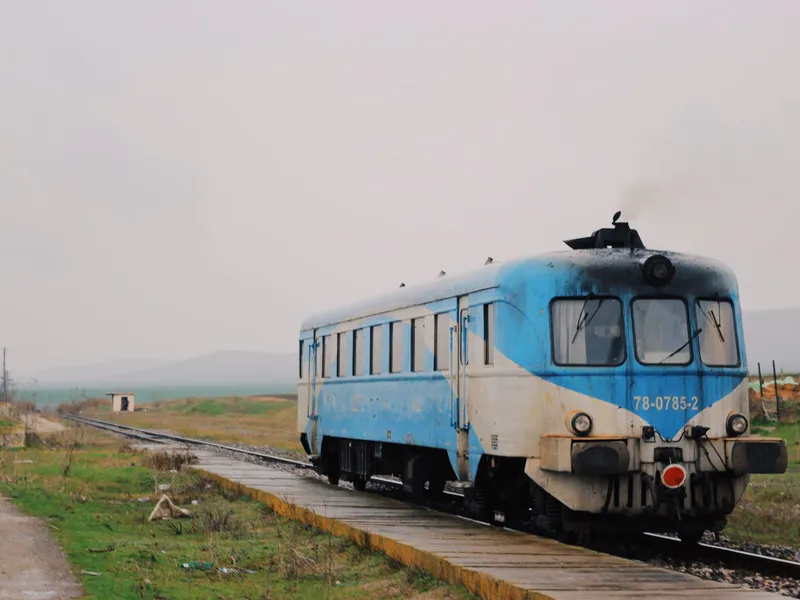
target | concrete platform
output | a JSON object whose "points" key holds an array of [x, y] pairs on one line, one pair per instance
{"points": [[491, 562]]}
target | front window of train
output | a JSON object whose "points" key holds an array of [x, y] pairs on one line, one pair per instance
{"points": [[661, 331], [587, 332], [718, 344]]}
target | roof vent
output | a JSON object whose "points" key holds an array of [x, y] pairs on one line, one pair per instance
{"points": [[489, 261], [442, 273], [620, 236], [402, 284]]}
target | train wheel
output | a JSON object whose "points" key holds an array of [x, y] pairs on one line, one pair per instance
{"points": [[691, 537], [359, 483], [333, 478], [436, 488]]}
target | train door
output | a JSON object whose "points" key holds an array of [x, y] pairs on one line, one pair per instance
{"points": [[313, 375], [462, 365]]}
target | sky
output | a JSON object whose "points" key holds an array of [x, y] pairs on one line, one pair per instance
{"points": [[183, 177]]}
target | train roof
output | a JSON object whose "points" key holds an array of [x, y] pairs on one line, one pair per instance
{"points": [[447, 286]]}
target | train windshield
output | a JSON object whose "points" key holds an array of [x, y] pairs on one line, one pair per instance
{"points": [[661, 331], [587, 332], [718, 344]]}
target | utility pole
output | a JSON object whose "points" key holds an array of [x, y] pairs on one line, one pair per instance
{"points": [[5, 378]]}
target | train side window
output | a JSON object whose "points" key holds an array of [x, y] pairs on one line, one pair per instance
{"points": [[661, 331], [375, 340], [326, 356], [302, 359], [418, 344], [441, 344], [358, 352], [341, 354], [587, 332], [719, 346], [488, 334], [396, 347]]}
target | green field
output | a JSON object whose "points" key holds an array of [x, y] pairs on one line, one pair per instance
{"points": [[50, 397], [96, 495], [252, 420], [769, 513]]}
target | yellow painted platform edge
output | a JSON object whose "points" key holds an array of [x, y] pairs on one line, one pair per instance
{"points": [[482, 584]]}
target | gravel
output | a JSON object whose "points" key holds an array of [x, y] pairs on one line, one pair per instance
{"points": [[786, 586], [784, 552], [709, 569]]}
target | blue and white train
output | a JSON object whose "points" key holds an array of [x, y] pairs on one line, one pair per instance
{"points": [[599, 388]]}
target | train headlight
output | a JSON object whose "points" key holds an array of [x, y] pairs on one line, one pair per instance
{"points": [[736, 424], [658, 270], [580, 423]]}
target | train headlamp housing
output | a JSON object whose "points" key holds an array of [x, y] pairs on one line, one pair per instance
{"points": [[736, 424], [580, 422], [658, 270]]}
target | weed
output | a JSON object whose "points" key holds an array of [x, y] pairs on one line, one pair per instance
{"points": [[169, 461], [217, 517]]}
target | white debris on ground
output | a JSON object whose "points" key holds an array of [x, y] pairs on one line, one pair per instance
{"points": [[165, 509]]}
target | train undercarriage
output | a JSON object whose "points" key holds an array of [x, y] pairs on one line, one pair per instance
{"points": [[503, 493]]}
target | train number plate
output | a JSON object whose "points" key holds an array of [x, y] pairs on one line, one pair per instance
{"points": [[666, 403]]}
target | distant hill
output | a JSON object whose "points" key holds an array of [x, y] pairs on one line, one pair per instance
{"points": [[218, 368], [96, 372], [773, 335]]}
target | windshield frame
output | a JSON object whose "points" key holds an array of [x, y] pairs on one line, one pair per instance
{"points": [[711, 331], [585, 299], [690, 333]]}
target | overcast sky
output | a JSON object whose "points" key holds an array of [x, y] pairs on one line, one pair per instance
{"points": [[184, 177]]}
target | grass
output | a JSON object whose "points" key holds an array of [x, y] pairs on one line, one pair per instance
{"points": [[769, 512], [252, 420], [96, 495]]}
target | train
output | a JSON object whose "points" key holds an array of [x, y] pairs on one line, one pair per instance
{"points": [[599, 388]]}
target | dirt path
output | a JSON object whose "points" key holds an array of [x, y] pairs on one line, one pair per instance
{"points": [[39, 424], [32, 566]]}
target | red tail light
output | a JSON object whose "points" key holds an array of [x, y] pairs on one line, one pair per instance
{"points": [[673, 476]]}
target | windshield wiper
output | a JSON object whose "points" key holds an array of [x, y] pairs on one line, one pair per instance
{"points": [[586, 318], [689, 341], [717, 324]]}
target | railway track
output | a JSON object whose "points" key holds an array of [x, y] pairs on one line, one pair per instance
{"points": [[661, 544]]}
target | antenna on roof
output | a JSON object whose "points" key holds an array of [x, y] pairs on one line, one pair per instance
{"points": [[442, 273], [489, 261], [402, 284], [616, 217]]}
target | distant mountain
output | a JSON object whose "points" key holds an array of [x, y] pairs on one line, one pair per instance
{"points": [[96, 372], [218, 368], [224, 368], [773, 335]]}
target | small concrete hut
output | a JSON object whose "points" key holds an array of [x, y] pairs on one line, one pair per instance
{"points": [[122, 401]]}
